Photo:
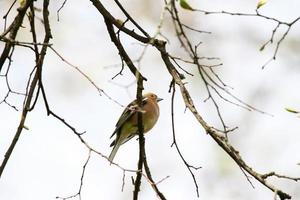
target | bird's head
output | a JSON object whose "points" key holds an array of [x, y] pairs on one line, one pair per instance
{"points": [[152, 96]]}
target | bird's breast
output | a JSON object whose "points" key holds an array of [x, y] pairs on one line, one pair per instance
{"points": [[150, 118]]}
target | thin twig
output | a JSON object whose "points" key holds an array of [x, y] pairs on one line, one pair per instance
{"points": [[188, 166]]}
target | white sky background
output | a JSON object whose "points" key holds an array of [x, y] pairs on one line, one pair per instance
{"points": [[48, 159]]}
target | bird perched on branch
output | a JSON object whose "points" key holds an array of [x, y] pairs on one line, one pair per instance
{"points": [[127, 125]]}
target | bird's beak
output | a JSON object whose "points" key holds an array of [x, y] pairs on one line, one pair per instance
{"points": [[159, 99]]}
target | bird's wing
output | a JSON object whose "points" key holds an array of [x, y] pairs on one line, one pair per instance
{"points": [[127, 113], [125, 140]]}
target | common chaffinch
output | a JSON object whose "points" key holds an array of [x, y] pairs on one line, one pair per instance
{"points": [[127, 125]]}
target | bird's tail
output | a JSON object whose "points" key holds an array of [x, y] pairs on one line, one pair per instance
{"points": [[113, 152]]}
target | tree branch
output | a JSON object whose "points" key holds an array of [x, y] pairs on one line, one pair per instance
{"points": [[13, 30], [33, 85]]}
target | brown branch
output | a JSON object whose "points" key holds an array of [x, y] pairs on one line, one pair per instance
{"points": [[50, 112], [32, 86], [139, 78], [188, 166], [7, 13], [9, 89], [81, 180], [13, 30], [216, 135], [159, 194], [270, 174], [106, 14], [77, 68], [257, 14], [122, 52], [31, 18], [211, 80], [192, 52], [142, 155], [60, 8], [131, 19], [91, 149]]}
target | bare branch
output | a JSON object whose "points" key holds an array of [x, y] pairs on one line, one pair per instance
{"points": [[60, 8], [81, 180], [13, 30], [33, 86], [217, 136], [188, 166]]}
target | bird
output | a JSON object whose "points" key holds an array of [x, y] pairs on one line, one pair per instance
{"points": [[127, 125]]}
